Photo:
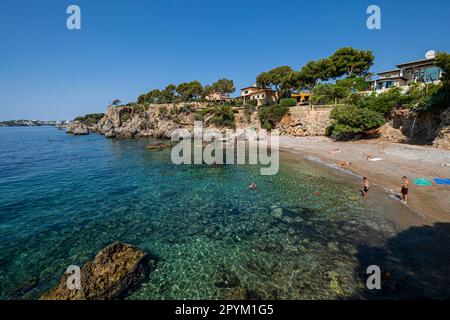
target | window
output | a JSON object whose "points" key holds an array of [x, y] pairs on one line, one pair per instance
{"points": [[427, 75], [419, 75], [432, 74], [389, 84]]}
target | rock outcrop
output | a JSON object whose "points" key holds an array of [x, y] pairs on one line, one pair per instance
{"points": [[77, 129], [442, 139], [116, 271], [159, 121], [304, 121], [405, 126]]}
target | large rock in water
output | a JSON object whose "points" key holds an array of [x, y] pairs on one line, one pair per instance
{"points": [[81, 131], [116, 271]]}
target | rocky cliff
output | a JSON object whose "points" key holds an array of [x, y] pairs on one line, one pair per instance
{"points": [[159, 121], [304, 121], [405, 126]]}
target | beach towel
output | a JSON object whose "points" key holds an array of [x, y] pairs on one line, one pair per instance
{"points": [[422, 182], [376, 159], [442, 181]]}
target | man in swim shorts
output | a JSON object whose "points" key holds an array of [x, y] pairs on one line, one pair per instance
{"points": [[405, 189]]}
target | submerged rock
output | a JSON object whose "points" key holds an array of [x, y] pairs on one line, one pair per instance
{"points": [[236, 294], [157, 146], [226, 278], [277, 212], [116, 271]]}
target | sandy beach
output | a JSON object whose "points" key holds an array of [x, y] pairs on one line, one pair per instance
{"points": [[430, 204]]}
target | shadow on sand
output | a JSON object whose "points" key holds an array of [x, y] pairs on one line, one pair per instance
{"points": [[415, 264]]}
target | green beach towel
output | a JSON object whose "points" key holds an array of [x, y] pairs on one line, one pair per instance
{"points": [[422, 182]]}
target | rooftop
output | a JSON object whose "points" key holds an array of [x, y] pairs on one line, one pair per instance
{"points": [[417, 63]]}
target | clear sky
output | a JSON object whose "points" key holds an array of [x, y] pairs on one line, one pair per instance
{"points": [[128, 47]]}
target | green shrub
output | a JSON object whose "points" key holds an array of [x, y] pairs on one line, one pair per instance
{"points": [[248, 111], [270, 116], [288, 102], [328, 93], [352, 120], [187, 108], [223, 116], [200, 114], [237, 102], [252, 102], [430, 98], [90, 119], [174, 110], [438, 100], [125, 117], [384, 103], [139, 108]]}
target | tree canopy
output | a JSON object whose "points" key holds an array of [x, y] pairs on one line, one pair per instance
{"points": [[350, 61], [223, 86], [189, 91], [282, 79], [345, 61], [443, 62]]}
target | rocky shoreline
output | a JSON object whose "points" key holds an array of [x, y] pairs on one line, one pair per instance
{"points": [[159, 121]]}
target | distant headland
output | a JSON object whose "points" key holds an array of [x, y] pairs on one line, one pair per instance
{"points": [[31, 123]]}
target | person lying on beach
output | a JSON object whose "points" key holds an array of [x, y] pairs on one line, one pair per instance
{"points": [[366, 187], [252, 186], [335, 150], [405, 189], [345, 163]]}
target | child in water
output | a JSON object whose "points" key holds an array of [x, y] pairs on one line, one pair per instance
{"points": [[366, 186]]}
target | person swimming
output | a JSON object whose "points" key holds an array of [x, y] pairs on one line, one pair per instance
{"points": [[252, 186], [366, 187], [405, 189]]}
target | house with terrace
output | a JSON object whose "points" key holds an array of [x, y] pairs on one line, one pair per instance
{"points": [[261, 95], [420, 71]]}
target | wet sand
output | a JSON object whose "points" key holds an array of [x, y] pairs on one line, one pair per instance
{"points": [[429, 204]]}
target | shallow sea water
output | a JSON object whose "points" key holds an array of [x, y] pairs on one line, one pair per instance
{"points": [[63, 198]]}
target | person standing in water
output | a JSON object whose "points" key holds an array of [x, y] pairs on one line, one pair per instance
{"points": [[366, 187], [405, 189]]}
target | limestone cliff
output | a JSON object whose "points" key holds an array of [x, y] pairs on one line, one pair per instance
{"points": [[405, 126], [305, 121], [159, 121]]}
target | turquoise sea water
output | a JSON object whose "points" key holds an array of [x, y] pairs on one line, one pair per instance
{"points": [[298, 236]]}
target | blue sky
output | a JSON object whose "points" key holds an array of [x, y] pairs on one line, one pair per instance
{"points": [[127, 47]]}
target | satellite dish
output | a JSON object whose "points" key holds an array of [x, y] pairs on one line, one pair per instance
{"points": [[430, 54]]}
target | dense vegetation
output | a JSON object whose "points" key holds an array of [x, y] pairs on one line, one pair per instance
{"points": [[269, 116], [362, 113], [354, 112], [187, 92], [90, 119], [334, 93], [344, 62], [223, 116]]}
